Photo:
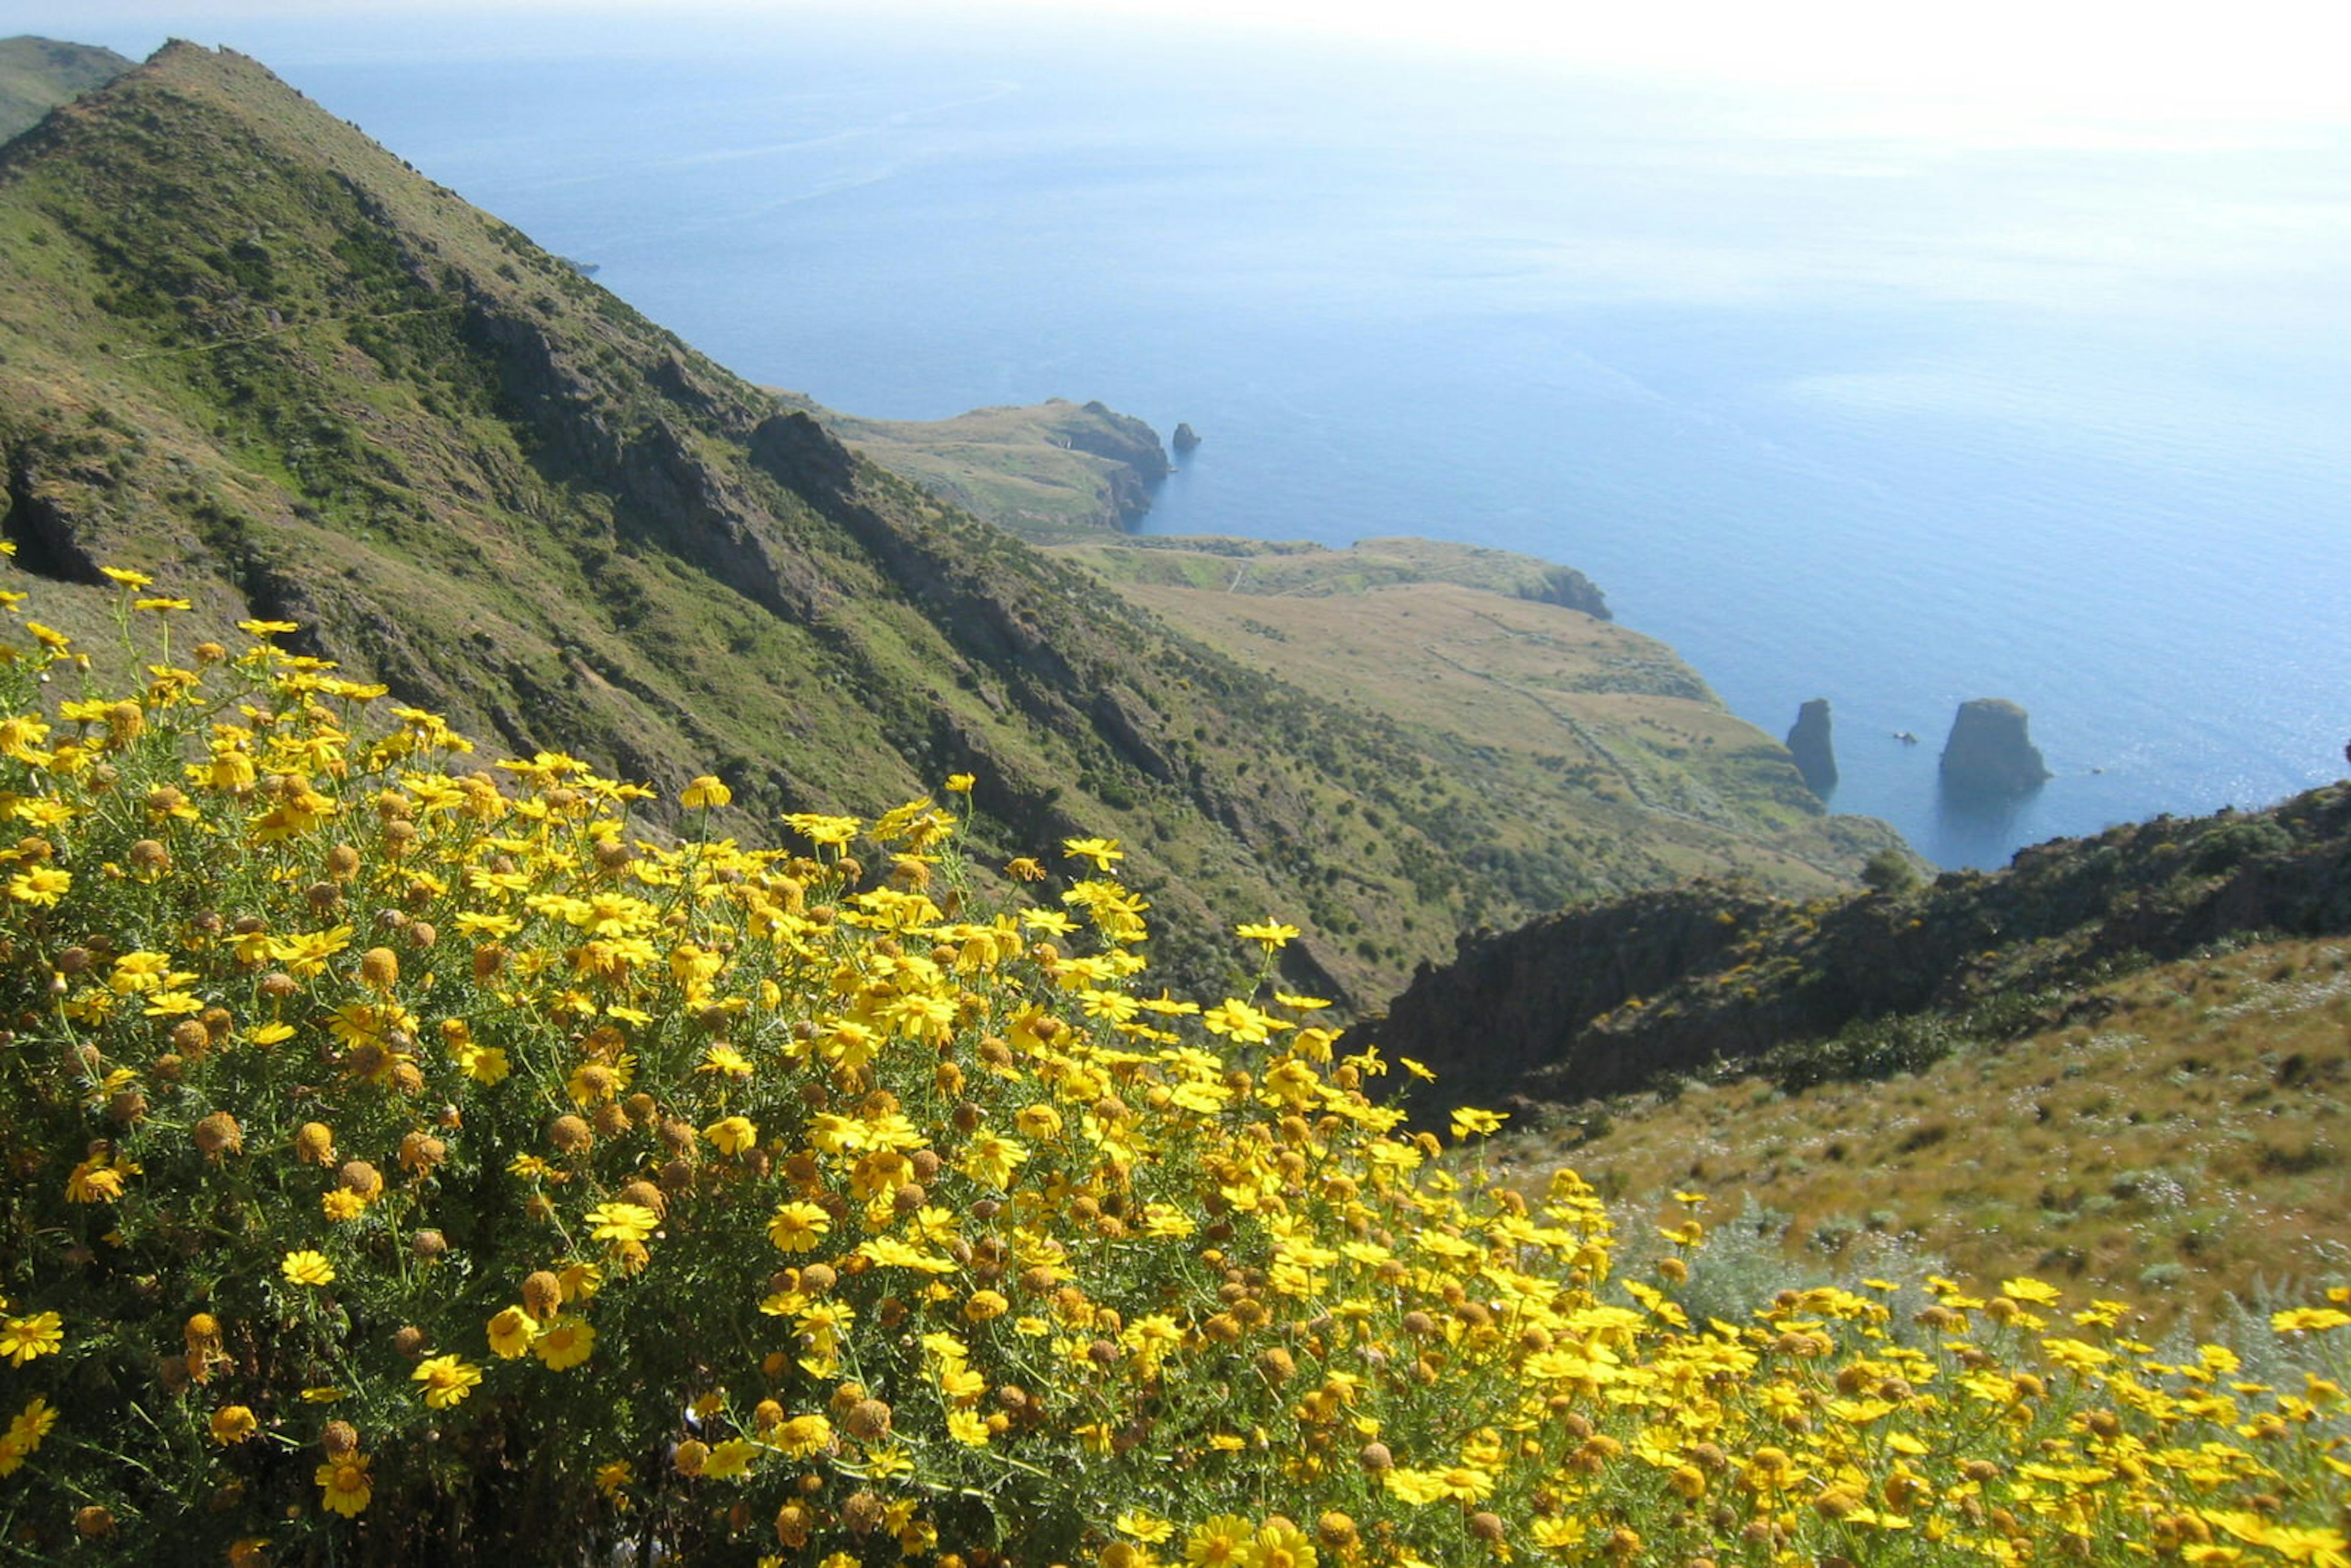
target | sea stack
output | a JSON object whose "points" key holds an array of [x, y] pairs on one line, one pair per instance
{"points": [[1809, 745], [1184, 439], [1990, 755]]}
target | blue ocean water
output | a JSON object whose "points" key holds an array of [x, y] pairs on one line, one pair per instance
{"points": [[1837, 403]]}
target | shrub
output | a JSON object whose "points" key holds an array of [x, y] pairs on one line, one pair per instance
{"points": [[418, 1162]]}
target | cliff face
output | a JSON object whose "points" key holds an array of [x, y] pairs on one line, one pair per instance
{"points": [[1990, 753], [1052, 471], [1809, 742], [1608, 998]]}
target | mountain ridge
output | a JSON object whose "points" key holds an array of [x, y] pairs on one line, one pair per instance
{"points": [[38, 74], [254, 354], [1712, 981]]}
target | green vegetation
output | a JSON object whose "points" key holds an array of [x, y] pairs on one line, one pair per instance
{"points": [[424, 1156], [36, 75], [1257, 567], [413, 1161], [248, 350], [1713, 978], [2182, 1145], [1889, 870], [1050, 473]]}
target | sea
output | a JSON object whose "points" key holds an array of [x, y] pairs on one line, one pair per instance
{"points": [[1840, 394]]}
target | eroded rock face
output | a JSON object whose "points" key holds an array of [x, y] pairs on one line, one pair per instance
{"points": [[1718, 980], [1990, 751], [1809, 743]]}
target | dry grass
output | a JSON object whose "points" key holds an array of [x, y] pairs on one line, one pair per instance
{"points": [[2191, 1144]]}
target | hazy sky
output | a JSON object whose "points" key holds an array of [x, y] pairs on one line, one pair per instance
{"points": [[2141, 58]]}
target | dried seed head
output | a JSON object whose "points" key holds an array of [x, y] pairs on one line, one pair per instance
{"points": [[340, 1439], [863, 1513], [868, 1421], [542, 1294], [219, 1134]]}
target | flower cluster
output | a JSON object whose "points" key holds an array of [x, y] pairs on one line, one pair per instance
{"points": [[395, 1141]]}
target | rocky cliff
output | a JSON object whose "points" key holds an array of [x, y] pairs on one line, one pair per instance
{"points": [[1710, 978], [1049, 472], [1991, 754], [1811, 745]]}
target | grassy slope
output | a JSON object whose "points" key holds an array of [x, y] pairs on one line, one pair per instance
{"points": [[2190, 1138], [250, 351], [1049, 471], [1312, 570], [38, 74], [1605, 740]]}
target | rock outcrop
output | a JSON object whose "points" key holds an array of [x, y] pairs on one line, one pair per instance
{"points": [[1052, 471], [1184, 439], [1133, 447], [1811, 745], [1991, 754], [1718, 979]]}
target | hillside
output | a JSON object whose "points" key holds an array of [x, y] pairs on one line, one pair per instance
{"points": [[410, 1164], [2181, 1141], [253, 354], [1713, 980], [1049, 472], [1275, 570], [1613, 748], [38, 74]]}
